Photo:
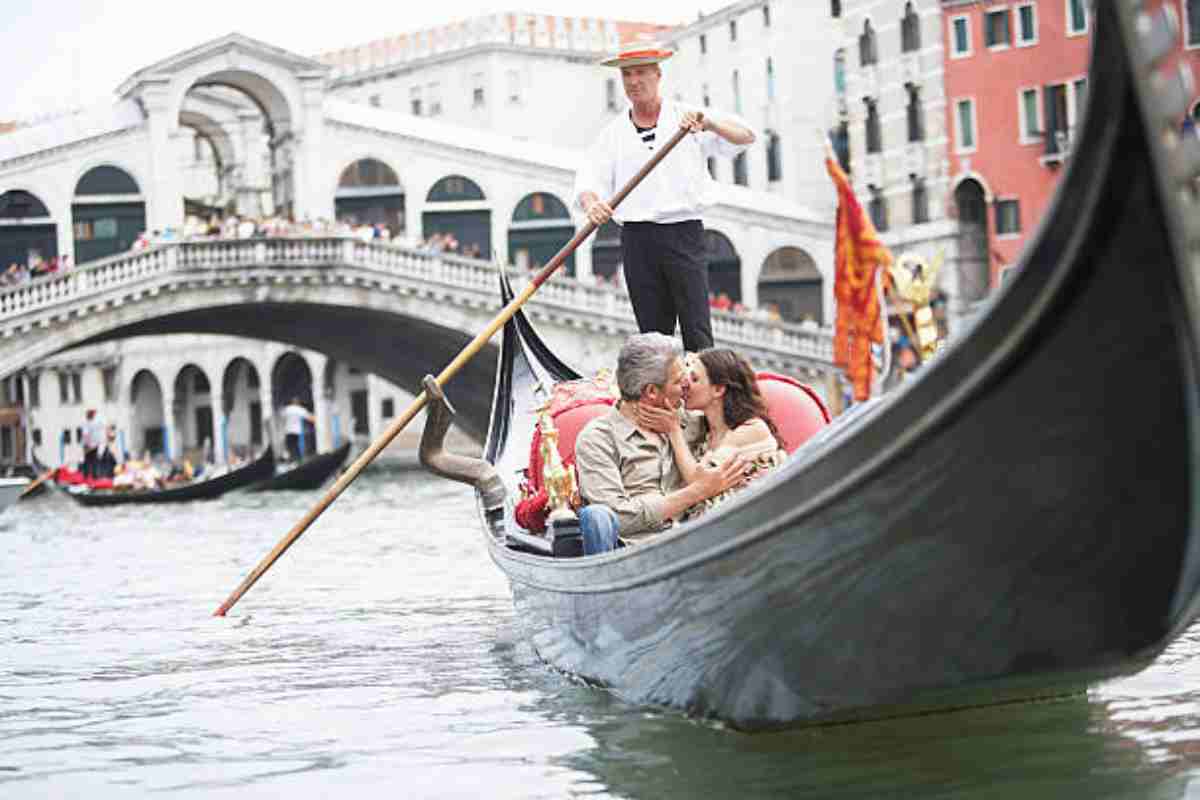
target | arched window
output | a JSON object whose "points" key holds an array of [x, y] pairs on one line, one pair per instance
{"points": [[910, 30], [106, 180], [835, 8], [920, 200], [454, 188], [878, 208], [867, 52], [741, 175], [540, 206], [874, 132], [18, 204], [368, 173], [916, 114]]}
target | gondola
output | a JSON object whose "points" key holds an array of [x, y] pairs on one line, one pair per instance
{"points": [[259, 469], [11, 490], [311, 473], [1017, 522]]}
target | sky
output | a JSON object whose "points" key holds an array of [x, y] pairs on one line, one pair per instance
{"points": [[63, 54]]}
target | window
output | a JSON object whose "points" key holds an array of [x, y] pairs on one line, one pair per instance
{"points": [[766, 15], [910, 30], [35, 391], [964, 122], [1026, 25], [109, 376], [76, 388], [434, 94], [996, 32], [874, 134], [37, 437], [375, 101], [478, 95], [877, 208], [703, 44], [388, 408], [64, 388], [1077, 21], [960, 32], [741, 175], [770, 80], [774, 158], [920, 201], [835, 8], [916, 115], [83, 231], [867, 53], [839, 71], [66, 436], [712, 167], [1008, 217], [1062, 107], [514, 86], [610, 94], [737, 91], [1191, 10], [733, 30], [79, 434], [707, 99], [414, 100], [1031, 119]]}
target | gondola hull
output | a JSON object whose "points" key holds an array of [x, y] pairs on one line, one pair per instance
{"points": [[1018, 522], [260, 469], [312, 473]]}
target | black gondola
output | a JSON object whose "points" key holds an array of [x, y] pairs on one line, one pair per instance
{"points": [[259, 469], [1018, 522], [311, 473]]}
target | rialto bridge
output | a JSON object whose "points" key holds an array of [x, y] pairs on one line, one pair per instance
{"points": [[236, 126], [385, 309]]}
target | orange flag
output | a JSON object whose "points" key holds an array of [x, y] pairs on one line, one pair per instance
{"points": [[859, 256]]}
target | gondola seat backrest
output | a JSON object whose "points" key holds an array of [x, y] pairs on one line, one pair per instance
{"points": [[796, 409]]}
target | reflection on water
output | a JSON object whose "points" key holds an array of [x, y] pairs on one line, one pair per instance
{"points": [[381, 655]]}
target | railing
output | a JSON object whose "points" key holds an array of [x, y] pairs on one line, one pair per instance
{"points": [[157, 265]]}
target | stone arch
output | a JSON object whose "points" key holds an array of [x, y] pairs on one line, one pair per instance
{"points": [[147, 422], [108, 211], [242, 412], [724, 266], [540, 226], [369, 190], [192, 411], [30, 235], [224, 150], [791, 281], [456, 207], [974, 247]]}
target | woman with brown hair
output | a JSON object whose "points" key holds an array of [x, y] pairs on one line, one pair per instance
{"points": [[721, 385]]}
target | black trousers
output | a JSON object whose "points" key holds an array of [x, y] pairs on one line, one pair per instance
{"points": [[89, 462], [666, 274], [292, 443]]}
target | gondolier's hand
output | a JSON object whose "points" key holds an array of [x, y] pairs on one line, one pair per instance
{"points": [[598, 211], [694, 122]]}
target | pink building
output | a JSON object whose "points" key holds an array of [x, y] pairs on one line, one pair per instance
{"points": [[1016, 90]]}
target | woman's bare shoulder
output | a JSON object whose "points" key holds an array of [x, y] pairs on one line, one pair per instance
{"points": [[749, 432]]}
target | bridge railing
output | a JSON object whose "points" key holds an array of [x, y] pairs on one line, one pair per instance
{"points": [[564, 294]]}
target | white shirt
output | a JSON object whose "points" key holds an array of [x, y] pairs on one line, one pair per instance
{"points": [[678, 189], [93, 434], [293, 418]]}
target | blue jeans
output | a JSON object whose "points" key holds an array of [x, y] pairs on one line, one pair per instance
{"points": [[599, 527]]}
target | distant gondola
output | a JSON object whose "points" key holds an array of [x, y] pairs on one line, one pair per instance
{"points": [[311, 473], [203, 489], [1018, 521]]}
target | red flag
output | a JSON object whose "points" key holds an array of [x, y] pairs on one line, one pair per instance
{"points": [[859, 256]]}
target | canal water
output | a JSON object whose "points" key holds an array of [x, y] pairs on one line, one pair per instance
{"points": [[380, 658]]}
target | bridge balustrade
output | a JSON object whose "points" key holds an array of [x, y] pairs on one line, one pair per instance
{"points": [[566, 298]]}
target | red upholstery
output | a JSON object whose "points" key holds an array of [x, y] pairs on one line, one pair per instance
{"points": [[796, 410]]}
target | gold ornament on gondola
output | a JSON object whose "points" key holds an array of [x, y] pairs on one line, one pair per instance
{"points": [[915, 280], [557, 478]]}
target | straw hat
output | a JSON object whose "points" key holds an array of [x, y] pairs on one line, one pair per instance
{"points": [[636, 54]]}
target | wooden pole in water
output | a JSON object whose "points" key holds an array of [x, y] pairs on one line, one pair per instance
{"points": [[467, 353]]}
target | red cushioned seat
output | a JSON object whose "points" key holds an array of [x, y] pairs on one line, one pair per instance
{"points": [[796, 409]]}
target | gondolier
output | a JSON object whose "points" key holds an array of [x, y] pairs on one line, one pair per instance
{"points": [[662, 236]]}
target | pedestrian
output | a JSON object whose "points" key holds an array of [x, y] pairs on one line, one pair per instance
{"points": [[93, 437], [662, 235]]}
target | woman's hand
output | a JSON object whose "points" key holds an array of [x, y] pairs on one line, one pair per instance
{"points": [[658, 420]]}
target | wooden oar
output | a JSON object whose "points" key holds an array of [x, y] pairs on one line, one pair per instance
{"points": [[459, 361], [36, 484]]}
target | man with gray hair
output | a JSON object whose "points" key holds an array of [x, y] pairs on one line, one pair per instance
{"points": [[627, 475]]}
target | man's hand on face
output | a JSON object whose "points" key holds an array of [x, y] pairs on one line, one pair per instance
{"points": [[656, 418]]}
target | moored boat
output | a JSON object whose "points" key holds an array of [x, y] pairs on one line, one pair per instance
{"points": [[11, 490], [311, 473], [1017, 522]]}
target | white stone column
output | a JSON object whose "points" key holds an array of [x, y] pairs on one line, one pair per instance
{"points": [[164, 195], [266, 393], [171, 445], [216, 399], [316, 365]]}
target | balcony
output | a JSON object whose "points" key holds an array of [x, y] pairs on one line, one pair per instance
{"points": [[1058, 147]]}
